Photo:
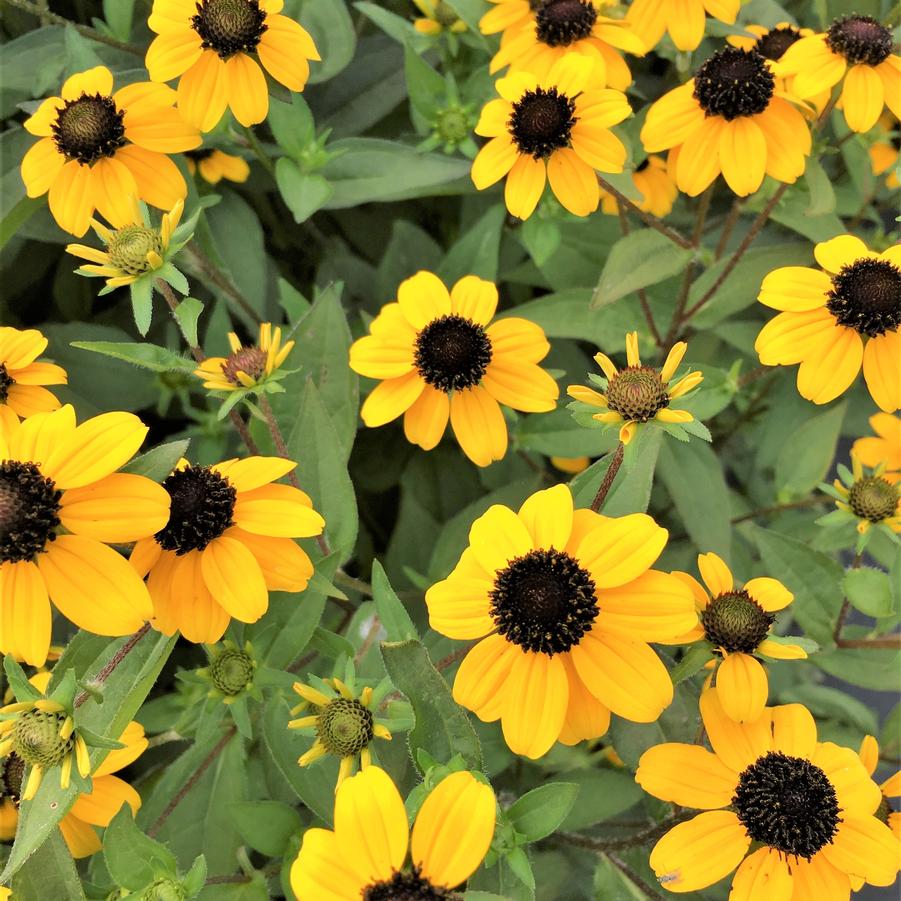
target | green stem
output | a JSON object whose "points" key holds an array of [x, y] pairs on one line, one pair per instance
{"points": [[259, 150], [648, 218]]}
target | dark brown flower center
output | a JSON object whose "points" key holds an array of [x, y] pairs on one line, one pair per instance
{"points": [[6, 382], [873, 498], [229, 26], [735, 622], [542, 122], [776, 41], [559, 23], [637, 393], [544, 602], [452, 353], [249, 360], [734, 83], [860, 39], [197, 155], [89, 128], [12, 771], [788, 804], [866, 296], [203, 503], [407, 886], [29, 511]]}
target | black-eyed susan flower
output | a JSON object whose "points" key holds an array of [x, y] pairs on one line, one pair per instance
{"points": [[890, 788], [684, 20], [884, 151], [572, 465], [343, 721], [883, 448], [804, 810], [857, 51], [364, 856], [228, 540], [564, 603], [835, 321], [550, 129], [655, 183], [729, 119], [23, 377], [868, 499], [770, 43], [62, 503], [214, 165], [440, 358], [437, 16], [737, 623], [560, 28], [637, 394], [210, 45], [98, 148]]}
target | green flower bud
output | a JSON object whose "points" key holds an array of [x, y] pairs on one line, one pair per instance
{"points": [[130, 245], [232, 671], [873, 498], [735, 622], [344, 727], [37, 741], [164, 890]]}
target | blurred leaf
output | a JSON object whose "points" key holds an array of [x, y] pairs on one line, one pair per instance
{"points": [[266, 826], [540, 812], [303, 192], [118, 15], [603, 794], [822, 195], [695, 659], [807, 454], [391, 611], [476, 251], [869, 591], [873, 668], [333, 31], [427, 89], [134, 859], [292, 125], [541, 238], [49, 874], [825, 702], [558, 434]]}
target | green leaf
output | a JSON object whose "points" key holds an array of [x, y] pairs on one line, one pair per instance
{"points": [[159, 461], [476, 251], [303, 192], [118, 15], [391, 612], [540, 812], [635, 261], [822, 194], [693, 662], [425, 87], [442, 728], [186, 314], [873, 668], [333, 31], [869, 591], [825, 702], [807, 453], [147, 356], [15, 216], [133, 859], [292, 125], [266, 826], [603, 794], [141, 292], [49, 874], [541, 238], [558, 434], [18, 681]]}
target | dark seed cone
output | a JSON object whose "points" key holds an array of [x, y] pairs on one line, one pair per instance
{"points": [[736, 623], [860, 39], [873, 498], [229, 26], [734, 83], [866, 296], [637, 393], [408, 886], [29, 511]]}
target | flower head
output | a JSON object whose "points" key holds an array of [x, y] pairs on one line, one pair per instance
{"points": [[770, 43], [833, 321], [737, 623], [343, 721], [212, 46], [564, 603], [550, 128], [227, 542], [654, 181], [856, 51], [450, 837], [683, 20], [437, 16], [808, 806], [214, 165], [22, 378], [883, 448], [868, 498], [97, 149], [638, 394], [729, 119], [231, 671], [442, 358], [62, 503]]}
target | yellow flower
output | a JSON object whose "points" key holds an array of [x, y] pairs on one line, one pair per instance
{"points": [[61, 504], [884, 450], [228, 540], [572, 465], [770, 43], [99, 148], [858, 51], [833, 322], [507, 14], [737, 622], [364, 855], [210, 46], [245, 367], [638, 394], [729, 119], [869, 497], [438, 16], [21, 378], [884, 152], [131, 250], [560, 28], [550, 128], [564, 603], [441, 357], [890, 788], [683, 20], [342, 721], [214, 165], [814, 847], [655, 183]]}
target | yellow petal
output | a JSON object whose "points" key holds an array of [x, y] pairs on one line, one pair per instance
{"points": [[742, 687], [621, 549], [687, 775], [535, 703]]}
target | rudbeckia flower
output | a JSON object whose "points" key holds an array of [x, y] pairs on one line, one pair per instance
{"points": [[564, 603], [560, 28], [437, 16], [209, 45], [684, 20], [550, 129], [770, 43], [441, 358], [737, 623], [214, 165], [836, 320], [815, 847], [729, 119], [652, 179], [63, 503], [245, 367], [883, 448], [364, 856], [638, 394], [99, 148], [869, 498], [858, 51], [22, 379], [890, 788], [227, 542]]}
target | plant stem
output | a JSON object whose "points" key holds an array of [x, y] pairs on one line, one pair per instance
{"points": [[642, 294], [609, 476], [633, 877], [343, 580], [778, 508], [259, 150], [728, 226], [648, 218], [211, 271], [605, 845], [116, 659]]}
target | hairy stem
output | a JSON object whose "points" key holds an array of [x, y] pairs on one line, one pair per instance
{"points": [[648, 218], [609, 476], [116, 659]]}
